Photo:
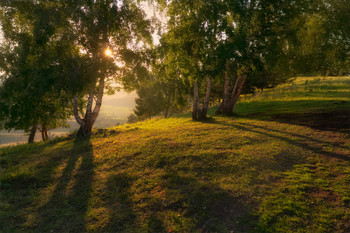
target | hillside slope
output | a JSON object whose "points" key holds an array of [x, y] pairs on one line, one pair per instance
{"points": [[282, 164]]}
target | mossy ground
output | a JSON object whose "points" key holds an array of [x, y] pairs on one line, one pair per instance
{"points": [[281, 164]]}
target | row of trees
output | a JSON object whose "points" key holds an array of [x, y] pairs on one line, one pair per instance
{"points": [[53, 62], [221, 49]]}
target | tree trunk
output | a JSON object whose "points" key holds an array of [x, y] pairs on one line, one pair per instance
{"points": [[171, 112], [90, 117], [226, 89], [238, 91], [44, 133], [198, 113], [86, 128], [206, 100], [196, 107], [32, 133], [227, 105], [165, 113], [168, 106]]}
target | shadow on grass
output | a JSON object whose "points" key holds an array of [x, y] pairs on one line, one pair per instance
{"points": [[118, 203], [325, 114], [66, 209], [337, 120], [120, 207], [311, 139], [301, 143], [203, 206], [188, 195]]}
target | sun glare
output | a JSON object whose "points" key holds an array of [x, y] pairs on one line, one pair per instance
{"points": [[108, 52]]}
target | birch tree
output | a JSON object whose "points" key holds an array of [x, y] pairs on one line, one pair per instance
{"points": [[194, 32], [108, 32]]}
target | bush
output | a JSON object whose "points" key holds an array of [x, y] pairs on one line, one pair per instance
{"points": [[132, 118]]}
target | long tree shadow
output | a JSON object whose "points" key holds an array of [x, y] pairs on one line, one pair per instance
{"points": [[120, 207], [293, 135], [315, 149], [119, 203], [203, 205], [23, 190], [336, 120], [66, 209], [174, 196]]}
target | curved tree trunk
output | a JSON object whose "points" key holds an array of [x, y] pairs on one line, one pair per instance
{"points": [[90, 117], [237, 93], [86, 128], [227, 105], [32, 133]]}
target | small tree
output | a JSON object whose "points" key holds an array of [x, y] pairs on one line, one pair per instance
{"points": [[132, 118]]}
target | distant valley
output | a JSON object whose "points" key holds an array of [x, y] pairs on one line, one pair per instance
{"points": [[115, 109]]}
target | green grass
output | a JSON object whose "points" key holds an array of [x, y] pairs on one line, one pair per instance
{"points": [[301, 95], [281, 164]]}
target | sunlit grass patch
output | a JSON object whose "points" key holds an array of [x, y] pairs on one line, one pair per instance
{"points": [[307, 199], [303, 94]]}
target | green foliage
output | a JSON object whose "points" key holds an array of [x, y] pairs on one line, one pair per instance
{"points": [[34, 87], [119, 28], [163, 95], [269, 40], [192, 43], [53, 51], [258, 38], [324, 39]]}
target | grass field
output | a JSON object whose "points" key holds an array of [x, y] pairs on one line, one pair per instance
{"points": [[281, 164]]}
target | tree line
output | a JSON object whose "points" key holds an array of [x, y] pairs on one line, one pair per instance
{"points": [[54, 63]]}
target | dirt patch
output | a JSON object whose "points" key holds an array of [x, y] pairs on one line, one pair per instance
{"points": [[325, 195], [338, 120]]}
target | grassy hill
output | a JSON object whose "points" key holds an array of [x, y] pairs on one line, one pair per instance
{"points": [[281, 164]]}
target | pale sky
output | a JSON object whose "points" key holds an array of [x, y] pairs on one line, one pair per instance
{"points": [[151, 11]]}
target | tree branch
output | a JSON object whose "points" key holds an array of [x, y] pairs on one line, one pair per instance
{"points": [[76, 111], [101, 86]]}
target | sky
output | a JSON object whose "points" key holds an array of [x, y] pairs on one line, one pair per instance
{"points": [[151, 11]]}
